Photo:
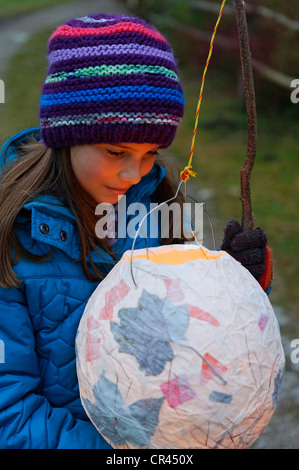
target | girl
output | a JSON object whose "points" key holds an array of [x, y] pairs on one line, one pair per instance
{"points": [[111, 99]]}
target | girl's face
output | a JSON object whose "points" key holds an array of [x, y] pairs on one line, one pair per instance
{"points": [[107, 171]]}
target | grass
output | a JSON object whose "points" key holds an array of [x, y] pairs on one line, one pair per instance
{"points": [[11, 8], [22, 90], [220, 149]]}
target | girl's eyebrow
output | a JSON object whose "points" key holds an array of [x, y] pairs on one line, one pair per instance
{"points": [[128, 147]]}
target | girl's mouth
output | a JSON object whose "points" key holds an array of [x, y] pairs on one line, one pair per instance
{"points": [[117, 190]]}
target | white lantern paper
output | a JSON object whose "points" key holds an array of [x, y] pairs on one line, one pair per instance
{"points": [[190, 358]]}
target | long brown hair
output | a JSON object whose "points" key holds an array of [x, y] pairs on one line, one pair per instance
{"points": [[39, 170]]}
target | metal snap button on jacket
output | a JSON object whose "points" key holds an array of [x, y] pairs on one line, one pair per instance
{"points": [[44, 228], [63, 235]]}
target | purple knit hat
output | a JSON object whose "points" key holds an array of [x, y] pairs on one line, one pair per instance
{"points": [[111, 79]]}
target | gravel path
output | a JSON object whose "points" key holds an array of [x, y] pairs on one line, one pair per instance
{"points": [[15, 31]]}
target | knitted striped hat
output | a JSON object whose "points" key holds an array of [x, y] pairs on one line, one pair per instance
{"points": [[111, 79]]}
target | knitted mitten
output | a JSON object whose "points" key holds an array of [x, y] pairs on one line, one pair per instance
{"points": [[251, 250]]}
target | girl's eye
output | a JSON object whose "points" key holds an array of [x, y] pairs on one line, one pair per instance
{"points": [[154, 153], [120, 154], [114, 154]]}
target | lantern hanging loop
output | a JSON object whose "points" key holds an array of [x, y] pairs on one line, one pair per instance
{"points": [[209, 219], [140, 227], [190, 226]]}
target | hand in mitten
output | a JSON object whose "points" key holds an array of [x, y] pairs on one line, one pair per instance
{"points": [[251, 250]]}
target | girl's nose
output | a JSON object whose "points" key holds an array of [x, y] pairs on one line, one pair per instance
{"points": [[131, 173]]}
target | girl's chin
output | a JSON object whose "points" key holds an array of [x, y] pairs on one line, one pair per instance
{"points": [[109, 199]]}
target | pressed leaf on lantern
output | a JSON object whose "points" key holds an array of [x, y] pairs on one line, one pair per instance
{"points": [[220, 397], [120, 423], [112, 297], [177, 391], [278, 387], [145, 331]]}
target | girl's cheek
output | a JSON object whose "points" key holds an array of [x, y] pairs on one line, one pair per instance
{"points": [[95, 167], [147, 166]]}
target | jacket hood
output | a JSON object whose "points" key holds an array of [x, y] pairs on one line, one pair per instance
{"points": [[9, 151]]}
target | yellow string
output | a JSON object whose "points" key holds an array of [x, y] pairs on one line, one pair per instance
{"points": [[187, 172]]}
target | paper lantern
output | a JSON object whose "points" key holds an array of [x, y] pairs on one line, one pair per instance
{"points": [[190, 358]]}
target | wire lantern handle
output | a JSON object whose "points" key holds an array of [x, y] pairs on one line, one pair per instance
{"points": [[140, 227]]}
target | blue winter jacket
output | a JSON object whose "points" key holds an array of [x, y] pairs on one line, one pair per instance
{"points": [[40, 406]]}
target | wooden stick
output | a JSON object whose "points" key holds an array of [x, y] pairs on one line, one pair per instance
{"points": [[247, 214]]}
